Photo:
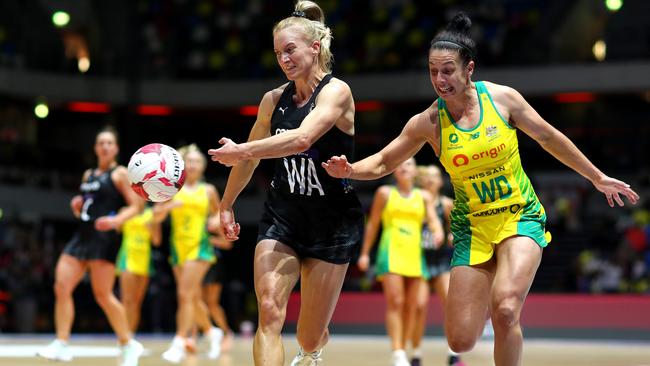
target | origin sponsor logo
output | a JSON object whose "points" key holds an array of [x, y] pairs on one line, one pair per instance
{"points": [[462, 159]]}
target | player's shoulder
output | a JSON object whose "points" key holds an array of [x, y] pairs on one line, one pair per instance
{"points": [[338, 85], [210, 187], [384, 190], [499, 91], [274, 94], [120, 173], [428, 117]]}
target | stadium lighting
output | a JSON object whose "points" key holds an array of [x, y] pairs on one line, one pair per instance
{"points": [[600, 50], [613, 5], [83, 64], [60, 18], [41, 110]]}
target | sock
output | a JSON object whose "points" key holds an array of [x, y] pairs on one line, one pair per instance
{"points": [[399, 354], [452, 353], [417, 353]]}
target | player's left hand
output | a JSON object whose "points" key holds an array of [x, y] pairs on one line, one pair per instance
{"points": [[438, 239], [106, 223], [613, 188], [229, 154]]}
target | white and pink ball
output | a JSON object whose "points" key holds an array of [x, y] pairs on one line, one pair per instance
{"points": [[156, 172]]}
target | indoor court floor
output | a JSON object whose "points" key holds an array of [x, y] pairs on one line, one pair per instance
{"points": [[342, 350]]}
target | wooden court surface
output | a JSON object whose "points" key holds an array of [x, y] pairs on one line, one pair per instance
{"points": [[345, 350]]}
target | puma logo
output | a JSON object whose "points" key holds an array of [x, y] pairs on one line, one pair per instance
{"points": [[282, 109]]}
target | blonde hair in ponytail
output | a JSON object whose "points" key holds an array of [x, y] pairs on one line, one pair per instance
{"points": [[314, 29], [191, 148]]}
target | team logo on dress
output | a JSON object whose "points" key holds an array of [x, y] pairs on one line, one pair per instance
{"points": [[474, 136], [490, 131], [453, 138], [282, 109], [311, 107]]}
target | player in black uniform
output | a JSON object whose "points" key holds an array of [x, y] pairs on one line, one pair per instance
{"points": [[312, 224], [105, 203]]}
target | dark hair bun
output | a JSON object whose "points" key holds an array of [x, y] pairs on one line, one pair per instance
{"points": [[461, 23]]}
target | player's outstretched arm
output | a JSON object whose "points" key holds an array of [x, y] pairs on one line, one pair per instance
{"points": [[384, 162], [563, 149]]}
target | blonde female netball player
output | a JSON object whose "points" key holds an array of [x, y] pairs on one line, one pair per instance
{"points": [[191, 253], [134, 264], [400, 210]]}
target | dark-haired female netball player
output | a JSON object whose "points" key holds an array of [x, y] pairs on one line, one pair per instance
{"points": [[497, 220], [105, 203]]}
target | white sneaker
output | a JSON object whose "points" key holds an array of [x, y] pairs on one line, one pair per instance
{"points": [[58, 350], [176, 352], [400, 359], [131, 353], [307, 358], [215, 336]]}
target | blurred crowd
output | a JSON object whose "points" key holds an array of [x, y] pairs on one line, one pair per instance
{"points": [[232, 39]]}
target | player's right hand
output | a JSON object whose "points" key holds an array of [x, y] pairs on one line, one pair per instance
{"points": [[364, 262], [76, 203], [338, 167], [228, 225]]}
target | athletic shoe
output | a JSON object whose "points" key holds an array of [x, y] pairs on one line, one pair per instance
{"points": [[399, 359], [215, 335], [307, 358], [131, 353], [176, 352], [416, 361], [56, 351], [456, 361]]}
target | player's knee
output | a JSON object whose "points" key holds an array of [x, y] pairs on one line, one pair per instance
{"points": [[270, 313], [103, 298], [460, 342], [395, 302], [61, 289], [505, 314], [311, 342], [185, 295]]}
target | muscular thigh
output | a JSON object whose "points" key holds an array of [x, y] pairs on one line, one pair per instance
{"points": [[468, 297], [517, 259], [70, 270], [320, 286], [276, 270]]}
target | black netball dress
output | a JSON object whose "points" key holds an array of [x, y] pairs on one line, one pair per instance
{"points": [[317, 215], [100, 198]]}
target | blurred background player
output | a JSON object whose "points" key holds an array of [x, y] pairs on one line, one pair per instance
{"points": [[134, 262], [191, 253], [401, 210], [213, 283], [105, 203], [438, 259]]}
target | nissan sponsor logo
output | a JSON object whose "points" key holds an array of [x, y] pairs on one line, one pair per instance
{"points": [[499, 210]]}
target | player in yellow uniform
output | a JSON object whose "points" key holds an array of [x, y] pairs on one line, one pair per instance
{"points": [[193, 211], [134, 262], [402, 209], [497, 220]]}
